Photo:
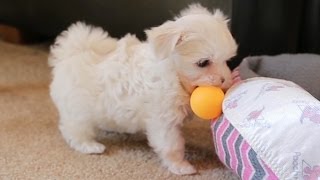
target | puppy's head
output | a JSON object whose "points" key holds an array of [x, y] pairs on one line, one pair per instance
{"points": [[199, 43]]}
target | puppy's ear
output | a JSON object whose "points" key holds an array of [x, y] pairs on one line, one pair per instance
{"points": [[164, 39], [193, 9]]}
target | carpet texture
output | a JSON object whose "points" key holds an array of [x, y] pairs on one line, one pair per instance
{"points": [[31, 146]]}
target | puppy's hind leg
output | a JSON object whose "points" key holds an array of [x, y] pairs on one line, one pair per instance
{"points": [[168, 142], [81, 137]]}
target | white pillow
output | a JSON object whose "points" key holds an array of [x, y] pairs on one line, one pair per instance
{"points": [[281, 122]]}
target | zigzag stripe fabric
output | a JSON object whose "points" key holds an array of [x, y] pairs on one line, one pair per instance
{"points": [[237, 154]]}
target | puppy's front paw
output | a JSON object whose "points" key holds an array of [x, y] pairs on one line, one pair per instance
{"points": [[182, 168], [89, 147]]}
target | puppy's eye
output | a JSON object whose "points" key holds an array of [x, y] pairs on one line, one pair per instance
{"points": [[203, 63]]}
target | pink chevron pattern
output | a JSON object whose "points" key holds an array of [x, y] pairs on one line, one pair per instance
{"points": [[220, 133], [231, 143], [248, 167], [237, 154]]}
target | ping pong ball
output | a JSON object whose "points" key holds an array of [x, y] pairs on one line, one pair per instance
{"points": [[206, 102]]}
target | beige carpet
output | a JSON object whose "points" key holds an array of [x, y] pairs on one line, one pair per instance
{"points": [[32, 148]]}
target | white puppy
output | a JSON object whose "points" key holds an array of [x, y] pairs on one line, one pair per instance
{"points": [[101, 83]]}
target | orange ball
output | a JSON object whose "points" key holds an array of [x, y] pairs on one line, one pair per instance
{"points": [[206, 102]]}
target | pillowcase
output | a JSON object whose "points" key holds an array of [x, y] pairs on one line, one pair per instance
{"points": [[270, 130]]}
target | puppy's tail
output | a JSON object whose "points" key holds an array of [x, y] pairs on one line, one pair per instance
{"points": [[80, 38]]}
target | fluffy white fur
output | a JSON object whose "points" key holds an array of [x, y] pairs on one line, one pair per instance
{"points": [[125, 85]]}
